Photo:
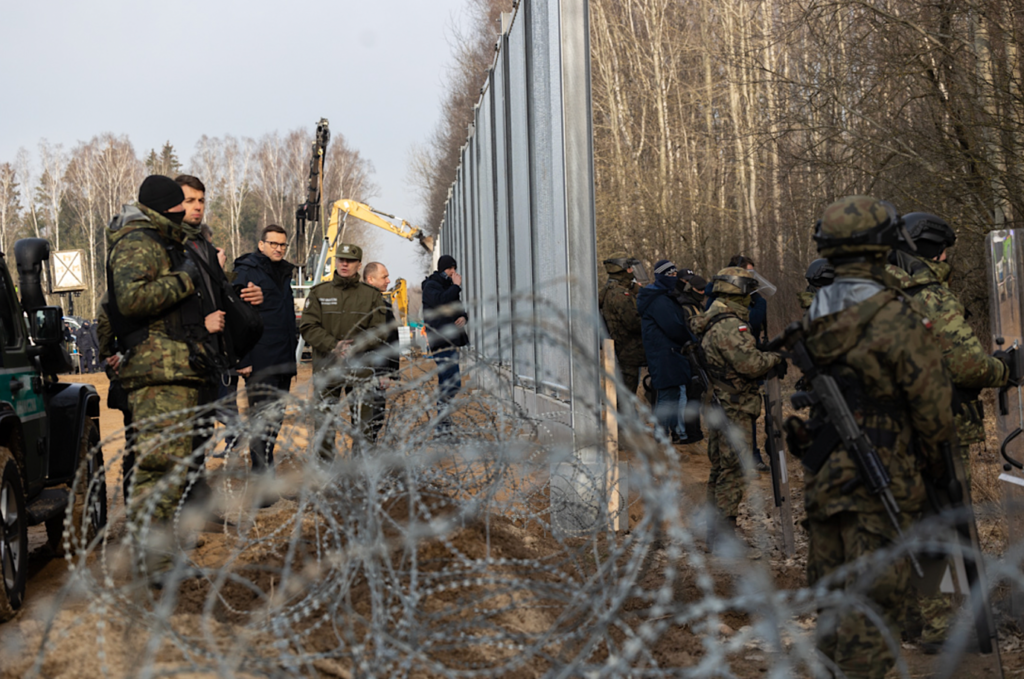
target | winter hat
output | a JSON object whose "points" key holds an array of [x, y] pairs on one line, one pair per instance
{"points": [[160, 193], [665, 274], [446, 262]]}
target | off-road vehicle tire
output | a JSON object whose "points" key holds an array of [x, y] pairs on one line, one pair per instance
{"points": [[87, 494], [13, 536]]}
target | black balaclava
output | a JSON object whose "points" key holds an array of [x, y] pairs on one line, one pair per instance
{"points": [[160, 194]]}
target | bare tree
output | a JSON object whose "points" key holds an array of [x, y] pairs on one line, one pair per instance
{"points": [[53, 184], [9, 206]]}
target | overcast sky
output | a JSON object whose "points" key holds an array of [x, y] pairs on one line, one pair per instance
{"points": [[173, 71]]}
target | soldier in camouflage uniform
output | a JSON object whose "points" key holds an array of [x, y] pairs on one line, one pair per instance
{"points": [[889, 367], [617, 301], [970, 367], [155, 313], [344, 322], [734, 364], [819, 274]]}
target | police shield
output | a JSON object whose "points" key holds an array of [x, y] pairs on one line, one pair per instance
{"points": [[1005, 254]]}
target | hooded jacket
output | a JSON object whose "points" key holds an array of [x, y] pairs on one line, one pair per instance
{"points": [[274, 354], [441, 308], [890, 369], [664, 333], [146, 290]]}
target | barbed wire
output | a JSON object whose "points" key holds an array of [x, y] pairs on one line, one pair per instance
{"points": [[489, 552]]}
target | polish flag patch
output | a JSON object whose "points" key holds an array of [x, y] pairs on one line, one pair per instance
{"points": [[743, 328], [927, 323]]}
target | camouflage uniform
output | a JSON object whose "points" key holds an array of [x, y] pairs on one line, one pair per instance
{"points": [[971, 369], [336, 310], [969, 365], [156, 372], [890, 369], [617, 301], [806, 297], [734, 363]]}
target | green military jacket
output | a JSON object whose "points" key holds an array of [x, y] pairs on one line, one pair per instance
{"points": [[617, 302], [970, 366], [734, 361], [146, 289], [884, 347], [343, 309]]}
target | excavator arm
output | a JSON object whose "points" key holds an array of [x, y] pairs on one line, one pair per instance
{"points": [[345, 208]]}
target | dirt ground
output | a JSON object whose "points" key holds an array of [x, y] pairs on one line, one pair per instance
{"points": [[678, 646]]}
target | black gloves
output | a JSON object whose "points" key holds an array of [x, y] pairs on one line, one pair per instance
{"points": [[779, 370]]}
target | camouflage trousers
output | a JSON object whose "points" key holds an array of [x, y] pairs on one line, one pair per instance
{"points": [[731, 469], [159, 453], [359, 396], [847, 634]]}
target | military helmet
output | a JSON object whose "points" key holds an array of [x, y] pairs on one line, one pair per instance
{"points": [[617, 263], [820, 273], [734, 280], [930, 233], [857, 225]]}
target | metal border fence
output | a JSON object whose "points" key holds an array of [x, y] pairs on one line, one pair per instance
{"points": [[520, 214]]}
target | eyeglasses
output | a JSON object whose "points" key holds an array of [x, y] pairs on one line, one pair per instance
{"points": [[277, 246]]}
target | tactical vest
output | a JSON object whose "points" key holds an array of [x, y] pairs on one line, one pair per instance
{"points": [[825, 436], [183, 322]]}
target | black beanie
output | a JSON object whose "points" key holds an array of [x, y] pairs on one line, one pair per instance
{"points": [[446, 262], [160, 193]]}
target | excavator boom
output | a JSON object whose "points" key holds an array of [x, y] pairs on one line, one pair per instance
{"points": [[345, 208]]}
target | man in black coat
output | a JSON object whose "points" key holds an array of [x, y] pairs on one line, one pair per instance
{"points": [[270, 366], [386, 365], [445, 320]]}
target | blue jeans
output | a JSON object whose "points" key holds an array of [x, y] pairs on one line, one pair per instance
{"points": [[669, 411], [449, 381]]}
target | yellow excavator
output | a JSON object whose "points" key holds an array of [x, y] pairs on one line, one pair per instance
{"points": [[310, 211], [342, 209], [345, 208]]}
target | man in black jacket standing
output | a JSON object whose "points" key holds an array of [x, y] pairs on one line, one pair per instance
{"points": [[445, 320], [270, 366]]}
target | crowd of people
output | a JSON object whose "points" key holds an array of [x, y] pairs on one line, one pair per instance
{"points": [[882, 326], [880, 321], [174, 336]]}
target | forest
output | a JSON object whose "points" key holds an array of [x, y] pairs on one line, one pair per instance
{"points": [[69, 195]]}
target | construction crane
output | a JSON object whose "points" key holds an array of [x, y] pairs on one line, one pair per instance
{"points": [[310, 211]]}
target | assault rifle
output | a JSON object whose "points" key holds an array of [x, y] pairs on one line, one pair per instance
{"points": [[693, 351], [826, 392]]}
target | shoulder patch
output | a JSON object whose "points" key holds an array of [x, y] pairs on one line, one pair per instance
{"points": [[742, 328], [927, 323]]}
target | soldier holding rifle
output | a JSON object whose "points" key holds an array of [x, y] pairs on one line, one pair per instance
{"points": [[861, 341]]}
